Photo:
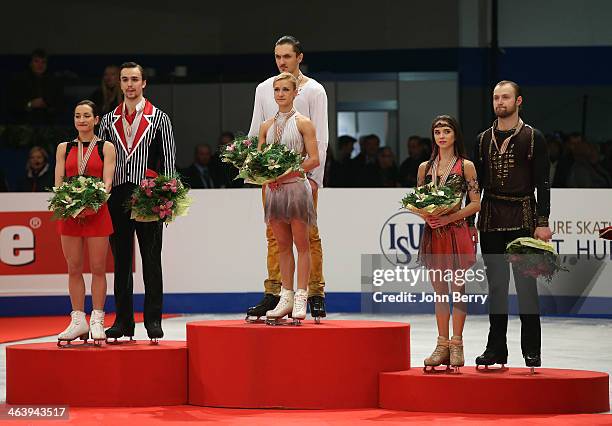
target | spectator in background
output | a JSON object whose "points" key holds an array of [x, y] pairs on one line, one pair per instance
{"points": [[3, 183], [428, 146], [607, 156], [201, 174], [109, 94], [389, 174], [566, 161], [416, 155], [365, 170], [554, 153], [587, 171], [339, 174], [39, 176], [35, 97], [225, 172]]}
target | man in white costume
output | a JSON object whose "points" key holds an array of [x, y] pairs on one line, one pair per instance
{"points": [[311, 102]]}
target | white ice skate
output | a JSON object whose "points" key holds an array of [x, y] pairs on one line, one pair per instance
{"points": [[78, 327], [96, 325], [299, 306], [284, 307]]}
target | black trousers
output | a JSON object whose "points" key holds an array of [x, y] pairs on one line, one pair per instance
{"points": [[493, 246], [122, 245]]}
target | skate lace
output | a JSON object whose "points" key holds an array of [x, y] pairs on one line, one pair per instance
{"points": [[75, 321], [97, 321], [439, 350], [299, 303], [282, 303]]}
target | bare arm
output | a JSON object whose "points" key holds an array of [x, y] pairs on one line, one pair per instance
{"points": [[473, 191], [60, 164], [309, 135], [109, 165], [421, 173]]}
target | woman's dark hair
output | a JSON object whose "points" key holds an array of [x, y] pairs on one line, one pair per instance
{"points": [[446, 121], [90, 104]]}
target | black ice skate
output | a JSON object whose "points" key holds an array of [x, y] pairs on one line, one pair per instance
{"points": [[268, 303], [532, 361], [490, 357], [317, 308], [118, 330], [154, 331]]}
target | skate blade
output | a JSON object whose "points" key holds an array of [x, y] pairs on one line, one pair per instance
{"points": [[278, 321], [430, 369], [98, 342], [254, 320], [69, 344], [491, 368], [154, 340], [455, 369], [317, 320], [116, 341]]}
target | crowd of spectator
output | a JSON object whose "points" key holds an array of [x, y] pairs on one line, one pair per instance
{"points": [[35, 98]]}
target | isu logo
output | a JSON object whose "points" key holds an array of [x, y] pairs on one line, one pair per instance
{"points": [[400, 238], [17, 245]]}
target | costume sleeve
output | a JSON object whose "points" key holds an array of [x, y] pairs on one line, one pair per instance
{"points": [[471, 220], [168, 146], [258, 113], [318, 116], [104, 130]]}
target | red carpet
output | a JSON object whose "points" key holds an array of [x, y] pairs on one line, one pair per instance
{"points": [[118, 375], [508, 391], [13, 329], [189, 415], [234, 364]]}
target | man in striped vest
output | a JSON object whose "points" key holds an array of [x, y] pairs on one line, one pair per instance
{"points": [[144, 141]]}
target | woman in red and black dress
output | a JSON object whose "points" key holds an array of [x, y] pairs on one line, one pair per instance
{"points": [[446, 244], [89, 156]]}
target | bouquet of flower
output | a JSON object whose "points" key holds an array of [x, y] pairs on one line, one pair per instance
{"points": [[162, 198], [236, 153], [273, 161], [77, 196], [430, 200], [534, 258]]}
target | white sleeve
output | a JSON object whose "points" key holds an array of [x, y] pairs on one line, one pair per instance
{"points": [[318, 116], [258, 114]]}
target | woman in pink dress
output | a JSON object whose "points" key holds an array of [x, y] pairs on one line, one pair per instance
{"points": [[446, 244]]}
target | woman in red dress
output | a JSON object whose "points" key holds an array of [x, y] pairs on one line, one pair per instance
{"points": [[446, 244], [89, 156]]}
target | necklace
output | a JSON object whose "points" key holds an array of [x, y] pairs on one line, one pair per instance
{"points": [[280, 120], [506, 141], [445, 174], [300, 79], [83, 159]]}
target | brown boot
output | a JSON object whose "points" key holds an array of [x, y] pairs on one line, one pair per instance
{"points": [[440, 355], [456, 352]]}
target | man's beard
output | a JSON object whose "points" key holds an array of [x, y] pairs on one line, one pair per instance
{"points": [[503, 113]]}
